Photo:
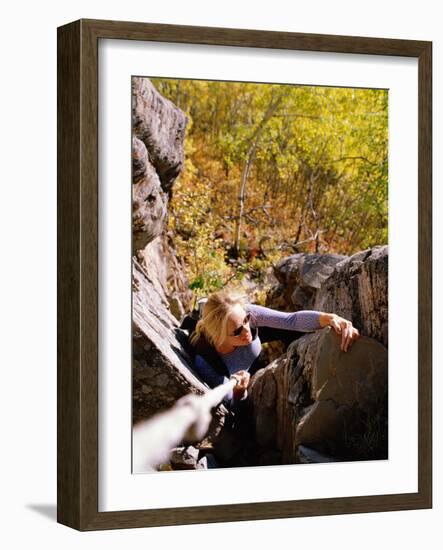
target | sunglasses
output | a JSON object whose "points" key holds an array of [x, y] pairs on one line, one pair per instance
{"points": [[239, 330]]}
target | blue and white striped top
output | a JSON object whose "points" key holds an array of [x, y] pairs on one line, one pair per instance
{"points": [[243, 356]]}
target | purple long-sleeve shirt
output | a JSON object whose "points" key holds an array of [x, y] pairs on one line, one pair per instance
{"points": [[243, 356]]}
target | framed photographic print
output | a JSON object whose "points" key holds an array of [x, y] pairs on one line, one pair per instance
{"points": [[199, 164]]}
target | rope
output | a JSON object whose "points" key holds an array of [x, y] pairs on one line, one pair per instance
{"points": [[188, 419]]}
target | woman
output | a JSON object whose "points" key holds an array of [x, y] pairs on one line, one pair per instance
{"points": [[227, 338]]}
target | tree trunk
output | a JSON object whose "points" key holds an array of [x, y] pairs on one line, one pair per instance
{"points": [[273, 105]]}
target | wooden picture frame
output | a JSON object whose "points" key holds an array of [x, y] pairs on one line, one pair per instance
{"points": [[77, 456]]}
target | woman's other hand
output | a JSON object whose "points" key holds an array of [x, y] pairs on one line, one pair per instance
{"points": [[342, 327], [242, 378]]}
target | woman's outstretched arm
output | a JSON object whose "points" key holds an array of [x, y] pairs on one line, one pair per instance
{"points": [[301, 321], [304, 321]]}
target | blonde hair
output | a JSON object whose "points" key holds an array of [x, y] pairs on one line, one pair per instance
{"points": [[216, 312]]}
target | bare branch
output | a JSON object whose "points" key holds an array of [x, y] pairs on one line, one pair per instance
{"points": [[364, 159]]}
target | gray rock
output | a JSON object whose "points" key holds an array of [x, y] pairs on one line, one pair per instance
{"points": [[149, 201], [161, 126], [323, 398], [184, 458], [157, 158], [358, 290], [166, 272], [164, 373], [354, 287], [162, 369], [300, 276]]}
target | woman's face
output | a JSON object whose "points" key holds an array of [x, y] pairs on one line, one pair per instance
{"points": [[239, 331]]}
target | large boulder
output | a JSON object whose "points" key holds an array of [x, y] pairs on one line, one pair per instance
{"points": [[149, 201], [299, 277], [357, 289], [161, 126], [157, 159], [321, 398], [162, 369], [158, 128], [166, 273]]}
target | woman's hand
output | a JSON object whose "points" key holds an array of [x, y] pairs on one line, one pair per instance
{"points": [[242, 377], [342, 327]]}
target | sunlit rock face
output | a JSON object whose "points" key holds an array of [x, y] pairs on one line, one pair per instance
{"points": [[357, 289], [158, 133], [322, 398], [354, 287], [162, 368], [333, 405]]}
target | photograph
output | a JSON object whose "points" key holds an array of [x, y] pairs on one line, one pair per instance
{"points": [[259, 274], [223, 261], [228, 203]]}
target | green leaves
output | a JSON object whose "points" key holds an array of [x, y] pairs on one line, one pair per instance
{"points": [[318, 180]]}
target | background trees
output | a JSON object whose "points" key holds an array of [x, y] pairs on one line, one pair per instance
{"points": [[275, 169]]}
